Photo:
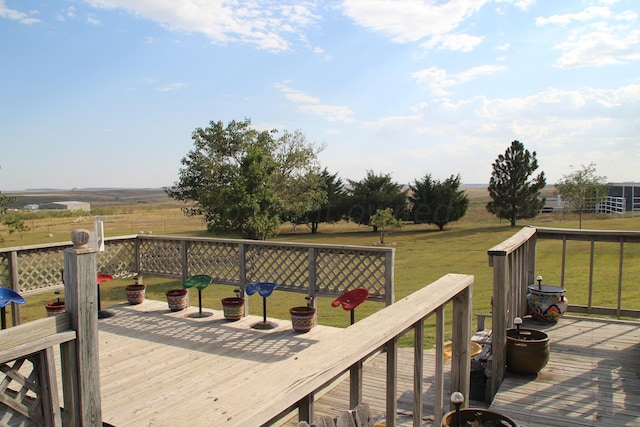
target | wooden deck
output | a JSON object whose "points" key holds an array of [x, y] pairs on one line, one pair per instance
{"points": [[592, 378], [160, 368]]}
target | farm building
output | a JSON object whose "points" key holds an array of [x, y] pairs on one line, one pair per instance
{"points": [[70, 206], [629, 191]]}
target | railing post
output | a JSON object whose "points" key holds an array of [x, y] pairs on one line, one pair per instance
{"points": [[312, 260], [418, 372], [461, 343], [81, 304], [392, 381], [389, 290], [498, 322], [439, 386], [242, 270], [15, 285]]}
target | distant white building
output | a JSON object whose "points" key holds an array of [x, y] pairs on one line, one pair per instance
{"points": [[69, 205]]}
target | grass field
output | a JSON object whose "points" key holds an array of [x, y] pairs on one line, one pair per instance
{"points": [[423, 254]]}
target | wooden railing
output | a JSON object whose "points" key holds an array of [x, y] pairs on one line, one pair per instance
{"points": [[514, 269], [317, 270], [317, 367], [28, 376]]}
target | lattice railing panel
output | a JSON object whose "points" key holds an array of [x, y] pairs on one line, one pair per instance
{"points": [[40, 268], [5, 280], [338, 271], [219, 260], [20, 390], [118, 258], [161, 257], [284, 265]]}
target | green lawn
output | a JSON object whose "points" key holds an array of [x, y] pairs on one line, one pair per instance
{"points": [[424, 254]]}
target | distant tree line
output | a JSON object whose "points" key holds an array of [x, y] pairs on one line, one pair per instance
{"points": [[249, 182]]}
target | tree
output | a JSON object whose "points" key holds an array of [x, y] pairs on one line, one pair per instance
{"points": [[437, 202], [332, 210], [15, 225], [514, 195], [238, 177], [582, 189], [372, 193], [383, 219], [298, 180]]}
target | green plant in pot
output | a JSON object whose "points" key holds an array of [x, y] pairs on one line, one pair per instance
{"points": [[473, 417]]}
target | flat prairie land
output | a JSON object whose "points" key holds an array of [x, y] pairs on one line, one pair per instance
{"points": [[422, 253]]}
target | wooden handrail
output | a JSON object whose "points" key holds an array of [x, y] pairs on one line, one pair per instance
{"points": [[313, 369]]}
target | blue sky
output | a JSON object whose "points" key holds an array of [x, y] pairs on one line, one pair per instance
{"points": [[106, 93]]}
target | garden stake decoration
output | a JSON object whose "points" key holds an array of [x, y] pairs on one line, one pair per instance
{"points": [[517, 321], [457, 398]]}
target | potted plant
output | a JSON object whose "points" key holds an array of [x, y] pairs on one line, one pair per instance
{"points": [[527, 349], [303, 318], [233, 307], [135, 292], [55, 307], [177, 299]]}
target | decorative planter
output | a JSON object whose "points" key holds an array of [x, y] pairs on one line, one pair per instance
{"points": [[477, 417], [303, 318], [54, 308], [233, 308], [177, 299], [135, 293], [527, 351], [546, 302]]}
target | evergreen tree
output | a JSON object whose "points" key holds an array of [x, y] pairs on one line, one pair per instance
{"points": [[437, 202], [372, 193], [513, 195]]}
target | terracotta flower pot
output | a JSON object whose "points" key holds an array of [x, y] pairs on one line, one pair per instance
{"points": [[528, 352], [177, 299], [54, 308], [471, 416], [135, 293], [303, 318], [233, 308]]}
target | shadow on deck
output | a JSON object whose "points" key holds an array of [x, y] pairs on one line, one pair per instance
{"points": [[158, 367]]}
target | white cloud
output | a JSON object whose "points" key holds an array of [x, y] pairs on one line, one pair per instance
{"points": [[520, 4], [454, 42], [587, 14], [599, 48], [439, 80], [412, 20], [172, 86], [14, 15], [604, 38], [266, 25], [311, 105]]}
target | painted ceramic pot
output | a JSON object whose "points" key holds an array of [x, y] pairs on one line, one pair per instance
{"points": [[303, 318], [233, 308], [135, 293], [546, 302], [177, 299]]}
